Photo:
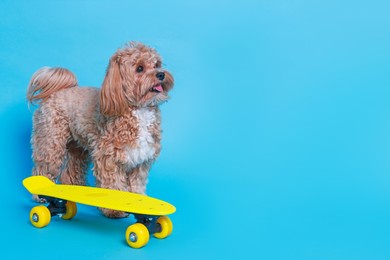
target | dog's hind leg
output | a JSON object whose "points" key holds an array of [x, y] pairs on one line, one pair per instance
{"points": [[49, 139], [76, 165]]}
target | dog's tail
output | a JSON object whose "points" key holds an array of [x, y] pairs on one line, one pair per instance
{"points": [[47, 81]]}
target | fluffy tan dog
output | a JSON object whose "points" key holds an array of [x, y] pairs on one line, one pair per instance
{"points": [[116, 127]]}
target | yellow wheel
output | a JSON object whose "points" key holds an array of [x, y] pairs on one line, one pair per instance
{"points": [[71, 210], [166, 227], [40, 216], [137, 235]]}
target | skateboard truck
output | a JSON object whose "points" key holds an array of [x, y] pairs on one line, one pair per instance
{"points": [[57, 207], [150, 222]]}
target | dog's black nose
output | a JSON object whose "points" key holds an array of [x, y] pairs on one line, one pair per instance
{"points": [[160, 75]]}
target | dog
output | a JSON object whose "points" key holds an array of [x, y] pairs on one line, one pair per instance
{"points": [[117, 128]]}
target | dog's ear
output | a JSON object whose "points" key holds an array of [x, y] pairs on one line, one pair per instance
{"points": [[112, 96]]}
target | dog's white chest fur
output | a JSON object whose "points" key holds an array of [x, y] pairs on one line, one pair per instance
{"points": [[145, 149]]}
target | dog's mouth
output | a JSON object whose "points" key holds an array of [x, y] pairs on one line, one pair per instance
{"points": [[157, 88]]}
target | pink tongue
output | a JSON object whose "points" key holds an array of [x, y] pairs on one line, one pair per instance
{"points": [[159, 88]]}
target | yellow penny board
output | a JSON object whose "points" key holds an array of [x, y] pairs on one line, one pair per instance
{"points": [[99, 197]]}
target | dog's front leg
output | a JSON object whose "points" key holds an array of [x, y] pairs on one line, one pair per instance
{"points": [[110, 174], [138, 178]]}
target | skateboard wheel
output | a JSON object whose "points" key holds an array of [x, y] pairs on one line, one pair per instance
{"points": [[71, 210], [137, 235], [166, 227], [40, 216]]}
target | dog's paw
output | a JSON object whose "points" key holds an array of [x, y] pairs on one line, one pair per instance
{"points": [[36, 198], [109, 213]]}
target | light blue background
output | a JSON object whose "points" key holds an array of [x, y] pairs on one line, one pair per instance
{"points": [[276, 140]]}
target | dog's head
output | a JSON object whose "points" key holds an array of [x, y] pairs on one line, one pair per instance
{"points": [[134, 77]]}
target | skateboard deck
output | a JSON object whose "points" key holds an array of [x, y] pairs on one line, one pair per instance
{"points": [[149, 212], [99, 197]]}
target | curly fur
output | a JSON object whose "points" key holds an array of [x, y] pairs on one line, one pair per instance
{"points": [[117, 127]]}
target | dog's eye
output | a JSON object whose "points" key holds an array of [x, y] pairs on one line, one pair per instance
{"points": [[157, 65], [140, 69]]}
